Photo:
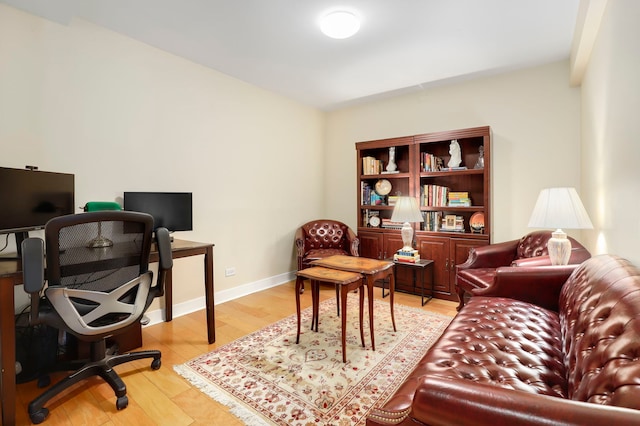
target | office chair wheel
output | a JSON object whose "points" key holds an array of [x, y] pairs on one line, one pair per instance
{"points": [[38, 417], [155, 364], [122, 402]]}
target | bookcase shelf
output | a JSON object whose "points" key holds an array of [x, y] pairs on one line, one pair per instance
{"points": [[446, 248]]}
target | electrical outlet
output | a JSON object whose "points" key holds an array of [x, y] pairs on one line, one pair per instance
{"points": [[228, 272]]}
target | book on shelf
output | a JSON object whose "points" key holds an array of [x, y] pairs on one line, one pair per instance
{"points": [[388, 224], [459, 199], [434, 195], [450, 169], [389, 173], [371, 165], [430, 163], [392, 199]]}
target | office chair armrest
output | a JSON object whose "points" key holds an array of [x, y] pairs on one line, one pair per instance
{"points": [[33, 265], [164, 248]]}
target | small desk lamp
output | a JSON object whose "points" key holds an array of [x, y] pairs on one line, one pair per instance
{"points": [[94, 206], [406, 210], [559, 208]]}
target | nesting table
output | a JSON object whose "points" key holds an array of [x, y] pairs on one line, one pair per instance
{"points": [[372, 270], [346, 282]]}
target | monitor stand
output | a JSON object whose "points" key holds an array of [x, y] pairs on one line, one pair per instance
{"points": [[20, 237]]}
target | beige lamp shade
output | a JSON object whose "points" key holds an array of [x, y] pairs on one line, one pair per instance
{"points": [[406, 210], [559, 208]]}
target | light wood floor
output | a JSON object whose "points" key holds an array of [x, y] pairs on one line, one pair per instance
{"points": [[163, 397]]}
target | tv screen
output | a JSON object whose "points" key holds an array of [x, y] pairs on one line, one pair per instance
{"points": [[29, 198], [171, 210]]}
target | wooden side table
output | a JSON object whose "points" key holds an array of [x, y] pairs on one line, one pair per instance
{"points": [[346, 281], [373, 270], [417, 268]]}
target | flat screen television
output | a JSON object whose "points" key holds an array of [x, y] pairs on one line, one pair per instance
{"points": [[171, 210], [30, 198]]}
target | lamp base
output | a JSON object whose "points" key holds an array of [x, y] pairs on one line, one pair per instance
{"points": [[407, 236], [559, 247]]}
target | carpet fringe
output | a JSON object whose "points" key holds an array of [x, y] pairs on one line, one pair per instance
{"points": [[248, 416]]}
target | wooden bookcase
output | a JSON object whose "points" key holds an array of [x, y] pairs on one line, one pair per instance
{"points": [[380, 239]]}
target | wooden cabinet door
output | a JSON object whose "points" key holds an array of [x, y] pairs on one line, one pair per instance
{"points": [[371, 244], [392, 243], [436, 249], [459, 252]]}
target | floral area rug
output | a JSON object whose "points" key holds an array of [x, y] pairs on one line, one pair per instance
{"points": [[267, 379]]}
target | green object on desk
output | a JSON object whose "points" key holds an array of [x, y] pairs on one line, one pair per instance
{"points": [[94, 206]]}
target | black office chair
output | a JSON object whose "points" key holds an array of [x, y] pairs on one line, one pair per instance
{"points": [[94, 292]]}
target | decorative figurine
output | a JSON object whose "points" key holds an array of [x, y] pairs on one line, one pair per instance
{"points": [[480, 162], [391, 167], [456, 155]]}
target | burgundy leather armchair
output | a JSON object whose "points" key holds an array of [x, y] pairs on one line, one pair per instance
{"points": [[479, 271], [323, 238]]}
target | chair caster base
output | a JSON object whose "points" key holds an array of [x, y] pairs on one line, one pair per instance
{"points": [[122, 402], [39, 416]]}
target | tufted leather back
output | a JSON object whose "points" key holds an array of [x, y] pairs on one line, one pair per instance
{"points": [[324, 234], [600, 323], [533, 245]]}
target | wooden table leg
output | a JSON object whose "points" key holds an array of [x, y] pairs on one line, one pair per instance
{"points": [[209, 295], [168, 296], [392, 286], [370, 280], [343, 301], [299, 284], [361, 295]]}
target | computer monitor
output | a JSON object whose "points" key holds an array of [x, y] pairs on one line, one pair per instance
{"points": [[30, 198], [171, 210]]}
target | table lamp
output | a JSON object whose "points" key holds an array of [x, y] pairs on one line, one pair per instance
{"points": [[559, 208], [94, 206], [406, 210]]}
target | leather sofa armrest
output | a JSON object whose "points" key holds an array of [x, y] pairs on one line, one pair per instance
{"points": [[445, 401], [354, 243], [539, 285], [491, 256]]}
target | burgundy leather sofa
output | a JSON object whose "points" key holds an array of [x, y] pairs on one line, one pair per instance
{"points": [[479, 270], [548, 347]]}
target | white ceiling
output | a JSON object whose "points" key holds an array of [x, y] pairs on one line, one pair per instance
{"points": [[402, 45]]}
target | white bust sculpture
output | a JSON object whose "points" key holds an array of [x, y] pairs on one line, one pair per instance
{"points": [[456, 156]]}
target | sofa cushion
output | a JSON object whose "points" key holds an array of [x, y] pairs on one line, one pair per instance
{"points": [[503, 342], [498, 341]]}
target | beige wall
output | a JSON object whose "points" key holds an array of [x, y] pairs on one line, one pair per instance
{"points": [[534, 116], [611, 145], [124, 116]]}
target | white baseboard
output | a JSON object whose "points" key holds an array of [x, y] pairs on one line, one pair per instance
{"points": [[184, 308]]}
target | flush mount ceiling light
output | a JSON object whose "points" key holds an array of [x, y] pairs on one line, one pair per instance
{"points": [[339, 24]]}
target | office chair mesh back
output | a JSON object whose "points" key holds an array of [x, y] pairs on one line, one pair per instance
{"points": [[72, 265]]}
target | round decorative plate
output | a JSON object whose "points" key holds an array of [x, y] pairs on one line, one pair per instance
{"points": [[383, 187], [477, 220], [374, 221]]}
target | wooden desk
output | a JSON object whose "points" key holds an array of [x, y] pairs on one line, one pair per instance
{"points": [[373, 270], [11, 275]]}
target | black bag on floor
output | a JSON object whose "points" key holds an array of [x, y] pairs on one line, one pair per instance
{"points": [[36, 348]]}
